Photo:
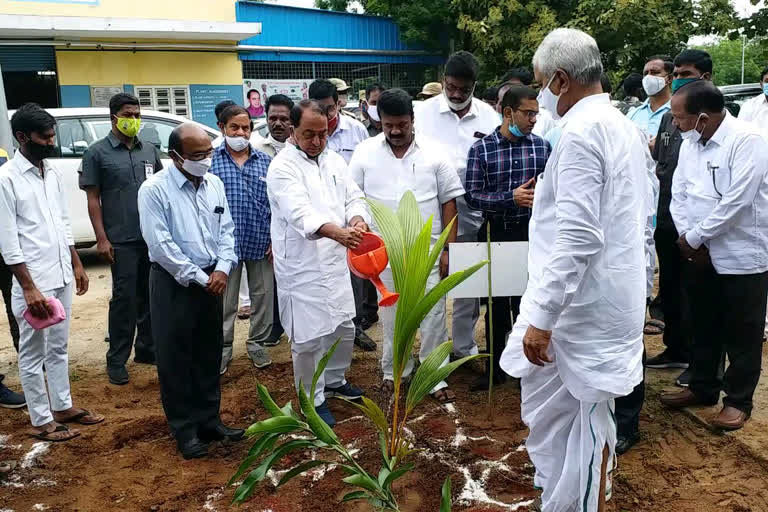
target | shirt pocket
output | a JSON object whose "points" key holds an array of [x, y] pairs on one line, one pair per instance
{"points": [[115, 176]]}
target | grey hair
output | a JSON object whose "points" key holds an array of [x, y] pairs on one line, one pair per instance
{"points": [[572, 51]]}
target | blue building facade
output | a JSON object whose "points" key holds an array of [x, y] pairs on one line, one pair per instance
{"points": [[303, 44]]}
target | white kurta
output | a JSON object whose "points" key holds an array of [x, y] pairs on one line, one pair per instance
{"points": [[586, 284], [313, 284]]}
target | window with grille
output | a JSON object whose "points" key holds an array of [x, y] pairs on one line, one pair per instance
{"points": [[358, 75], [171, 99]]}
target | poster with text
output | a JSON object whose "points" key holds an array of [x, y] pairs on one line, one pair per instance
{"points": [[256, 92]]}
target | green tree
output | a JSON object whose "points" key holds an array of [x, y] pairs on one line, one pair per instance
{"points": [[726, 60]]}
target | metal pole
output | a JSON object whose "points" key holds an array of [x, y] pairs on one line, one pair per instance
{"points": [[6, 139], [743, 51]]}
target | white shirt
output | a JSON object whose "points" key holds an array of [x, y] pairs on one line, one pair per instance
{"points": [[544, 123], [348, 134], [424, 170], [435, 119], [35, 227], [314, 290], [269, 146], [187, 229], [729, 215], [586, 258], [755, 111]]}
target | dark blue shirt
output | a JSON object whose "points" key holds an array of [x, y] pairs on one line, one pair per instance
{"points": [[496, 166], [246, 190]]}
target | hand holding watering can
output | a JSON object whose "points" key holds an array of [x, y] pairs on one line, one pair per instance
{"points": [[368, 260]]}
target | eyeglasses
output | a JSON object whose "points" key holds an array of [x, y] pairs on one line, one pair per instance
{"points": [[452, 89], [530, 114]]}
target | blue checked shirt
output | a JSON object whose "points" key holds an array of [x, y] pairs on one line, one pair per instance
{"points": [[246, 190], [497, 166]]}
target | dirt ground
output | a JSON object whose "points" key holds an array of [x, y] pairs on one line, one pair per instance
{"points": [[129, 463]]}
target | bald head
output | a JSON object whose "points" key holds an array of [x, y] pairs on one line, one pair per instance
{"points": [[188, 141]]}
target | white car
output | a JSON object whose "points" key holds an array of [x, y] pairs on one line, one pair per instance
{"points": [[78, 128]]}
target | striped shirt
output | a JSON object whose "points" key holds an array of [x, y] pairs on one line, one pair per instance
{"points": [[496, 166], [246, 190]]}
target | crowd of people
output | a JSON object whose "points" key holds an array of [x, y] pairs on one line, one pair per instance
{"points": [[265, 223]]}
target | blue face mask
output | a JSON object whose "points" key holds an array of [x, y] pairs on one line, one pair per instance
{"points": [[515, 131], [765, 88], [679, 82]]}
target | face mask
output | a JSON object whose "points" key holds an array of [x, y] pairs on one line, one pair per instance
{"points": [[128, 126], [514, 130], [653, 85], [237, 143], [373, 113], [196, 167], [548, 101], [692, 135], [459, 106], [40, 151], [275, 143], [765, 88], [333, 123], [677, 83]]}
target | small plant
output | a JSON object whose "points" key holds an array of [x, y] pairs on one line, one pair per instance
{"points": [[407, 240]]}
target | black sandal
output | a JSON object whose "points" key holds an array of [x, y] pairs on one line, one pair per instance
{"points": [[46, 436]]}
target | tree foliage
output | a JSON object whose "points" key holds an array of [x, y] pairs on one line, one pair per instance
{"points": [[505, 33], [726, 60]]}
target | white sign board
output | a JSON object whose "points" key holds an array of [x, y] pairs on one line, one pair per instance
{"points": [[256, 92], [509, 271]]}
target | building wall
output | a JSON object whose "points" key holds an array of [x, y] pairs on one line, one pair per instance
{"points": [[147, 68], [210, 10], [210, 76]]}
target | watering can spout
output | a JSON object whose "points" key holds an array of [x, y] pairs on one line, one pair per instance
{"points": [[367, 261]]}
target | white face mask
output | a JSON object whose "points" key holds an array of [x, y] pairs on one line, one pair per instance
{"points": [[459, 106], [237, 143], [692, 135], [373, 113], [196, 167], [653, 85], [275, 143], [548, 101]]}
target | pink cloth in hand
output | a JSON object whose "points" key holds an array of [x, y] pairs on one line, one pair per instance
{"points": [[57, 315]]}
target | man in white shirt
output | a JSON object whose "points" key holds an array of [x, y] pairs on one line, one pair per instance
{"points": [[344, 134], [317, 213], [578, 342], [456, 120], [37, 245], [521, 76], [720, 208], [386, 167], [189, 231], [756, 109]]}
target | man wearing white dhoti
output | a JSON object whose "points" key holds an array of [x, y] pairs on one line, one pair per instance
{"points": [[578, 342]]}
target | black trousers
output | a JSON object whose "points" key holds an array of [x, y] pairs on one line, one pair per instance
{"points": [[628, 409], [678, 330], [502, 319], [728, 316], [366, 299], [129, 306], [188, 331], [6, 282]]}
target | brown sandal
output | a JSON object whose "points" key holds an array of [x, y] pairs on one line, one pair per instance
{"points": [[83, 417], [46, 435]]}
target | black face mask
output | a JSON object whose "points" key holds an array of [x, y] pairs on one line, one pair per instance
{"points": [[40, 151]]}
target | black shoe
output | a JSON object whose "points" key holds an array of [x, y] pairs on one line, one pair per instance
{"points": [[368, 322], [145, 359], [665, 360], [482, 384], [623, 444], [118, 376], [193, 449], [684, 380], [222, 433], [10, 399], [364, 341]]}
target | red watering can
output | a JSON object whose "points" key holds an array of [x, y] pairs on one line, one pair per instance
{"points": [[367, 261]]}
